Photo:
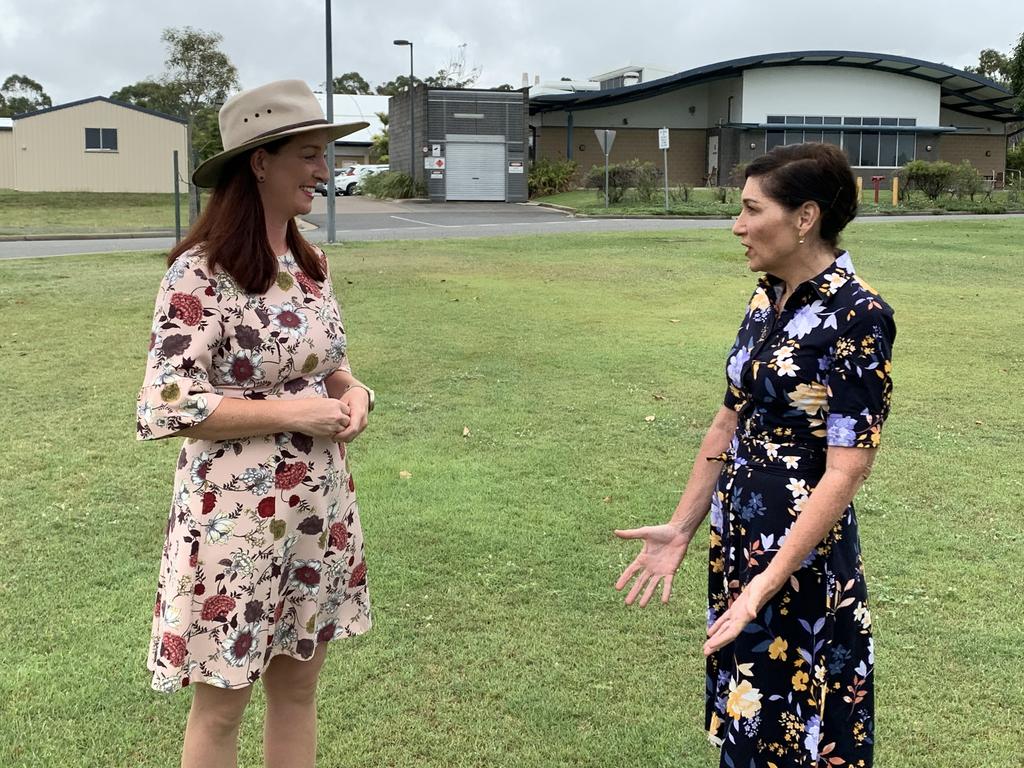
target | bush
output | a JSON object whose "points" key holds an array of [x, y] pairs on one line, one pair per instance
{"points": [[393, 184], [967, 180], [681, 194], [738, 174], [931, 178], [642, 176], [549, 177], [1015, 158]]}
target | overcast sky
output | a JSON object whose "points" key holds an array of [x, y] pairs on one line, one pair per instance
{"points": [[82, 48]]}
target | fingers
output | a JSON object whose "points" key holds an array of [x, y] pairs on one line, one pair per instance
{"points": [[637, 586], [649, 592], [719, 622], [627, 574], [666, 589]]}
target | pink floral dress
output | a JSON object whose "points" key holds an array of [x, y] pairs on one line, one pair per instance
{"points": [[264, 552]]}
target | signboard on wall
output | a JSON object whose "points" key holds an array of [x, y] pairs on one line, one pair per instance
{"points": [[433, 163], [515, 166]]}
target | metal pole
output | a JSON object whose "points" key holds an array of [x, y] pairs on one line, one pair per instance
{"points": [[412, 119], [331, 234], [606, 169], [177, 201], [665, 153]]}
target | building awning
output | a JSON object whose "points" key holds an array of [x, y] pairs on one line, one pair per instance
{"points": [[961, 91]]}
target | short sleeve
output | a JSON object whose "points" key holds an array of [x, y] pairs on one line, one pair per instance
{"points": [[860, 381], [338, 353], [177, 393]]}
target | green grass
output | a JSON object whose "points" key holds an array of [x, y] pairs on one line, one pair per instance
{"points": [[24, 213], [703, 201], [499, 640]]}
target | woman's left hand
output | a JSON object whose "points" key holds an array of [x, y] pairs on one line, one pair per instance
{"points": [[744, 609], [358, 401]]}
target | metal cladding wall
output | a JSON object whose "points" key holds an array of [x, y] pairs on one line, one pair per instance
{"points": [[476, 120]]}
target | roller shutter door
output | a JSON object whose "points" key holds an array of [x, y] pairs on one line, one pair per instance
{"points": [[475, 171]]}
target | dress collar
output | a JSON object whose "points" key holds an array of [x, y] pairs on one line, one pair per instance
{"points": [[822, 286]]}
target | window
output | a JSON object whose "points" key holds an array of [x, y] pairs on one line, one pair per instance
{"points": [[869, 142], [101, 139]]}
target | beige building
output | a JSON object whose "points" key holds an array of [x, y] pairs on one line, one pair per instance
{"points": [[94, 145]]}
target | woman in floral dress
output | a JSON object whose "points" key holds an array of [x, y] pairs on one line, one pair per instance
{"points": [[790, 660], [263, 558]]}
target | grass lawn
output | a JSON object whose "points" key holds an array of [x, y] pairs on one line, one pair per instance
{"points": [[499, 640], [23, 213], [705, 201]]}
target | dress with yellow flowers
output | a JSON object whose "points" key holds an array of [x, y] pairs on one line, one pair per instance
{"points": [[796, 687]]}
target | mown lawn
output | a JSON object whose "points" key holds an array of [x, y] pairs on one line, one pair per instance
{"points": [[725, 201], [499, 640], [26, 213]]}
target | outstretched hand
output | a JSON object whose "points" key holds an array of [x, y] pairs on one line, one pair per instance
{"points": [[663, 550]]}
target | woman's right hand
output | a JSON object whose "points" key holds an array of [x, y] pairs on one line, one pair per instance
{"points": [[663, 550], [319, 416]]}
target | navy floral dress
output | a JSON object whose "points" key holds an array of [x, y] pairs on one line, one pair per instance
{"points": [[795, 688]]}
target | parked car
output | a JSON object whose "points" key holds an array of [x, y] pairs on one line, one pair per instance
{"points": [[321, 187], [348, 182]]}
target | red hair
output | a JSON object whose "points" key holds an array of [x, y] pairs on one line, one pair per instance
{"points": [[232, 232]]}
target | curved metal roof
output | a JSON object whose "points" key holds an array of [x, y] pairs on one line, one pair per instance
{"points": [[961, 91]]}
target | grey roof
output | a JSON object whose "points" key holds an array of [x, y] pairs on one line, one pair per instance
{"points": [[960, 91], [164, 115]]}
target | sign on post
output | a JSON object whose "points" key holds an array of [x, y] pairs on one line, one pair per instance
{"points": [[605, 138], [663, 146]]}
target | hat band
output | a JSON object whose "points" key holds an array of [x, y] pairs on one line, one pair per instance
{"points": [[281, 128]]}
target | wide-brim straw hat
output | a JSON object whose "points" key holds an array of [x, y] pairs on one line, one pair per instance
{"points": [[261, 115]]}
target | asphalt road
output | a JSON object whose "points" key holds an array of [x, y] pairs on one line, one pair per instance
{"points": [[360, 218]]}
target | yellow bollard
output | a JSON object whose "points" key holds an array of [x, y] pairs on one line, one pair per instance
{"points": [[860, 190], [895, 191]]}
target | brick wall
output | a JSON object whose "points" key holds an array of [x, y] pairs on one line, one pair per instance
{"points": [[686, 155], [956, 148]]}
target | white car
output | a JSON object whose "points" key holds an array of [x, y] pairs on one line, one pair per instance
{"points": [[348, 181], [321, 188]]}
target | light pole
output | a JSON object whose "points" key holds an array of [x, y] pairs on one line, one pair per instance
{"points": [[331, 235], [412, 115]]}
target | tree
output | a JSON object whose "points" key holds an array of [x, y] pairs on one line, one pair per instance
{"points": [[993, 65], [20, 93], [394, 87], [352, 82], [203, 77], [454, 74], [149, 94], [381, 147], [1015, 72], [504, 87]]}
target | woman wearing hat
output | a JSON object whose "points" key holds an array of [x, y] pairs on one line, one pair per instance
{"points": [[263, 558]]}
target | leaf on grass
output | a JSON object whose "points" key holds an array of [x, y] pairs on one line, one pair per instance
{"points": [[673, 321], [607, 499], [405, 475], [648, 419], [465, 431], [658, 396]]}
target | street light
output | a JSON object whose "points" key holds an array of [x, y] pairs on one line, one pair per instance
{"points": [[412, 115]]}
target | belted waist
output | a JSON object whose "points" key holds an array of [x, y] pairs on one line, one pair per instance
{"points": [[784, 458]]}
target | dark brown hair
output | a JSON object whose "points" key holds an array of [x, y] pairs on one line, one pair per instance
{"points": [[800, 173], [232, 231]]}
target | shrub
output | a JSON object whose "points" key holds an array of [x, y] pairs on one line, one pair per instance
{"points": [[967, 180], [646, 180], [722, 195], [931, 178], [1015, 158], [682, 193], [549, 177], [738, 174], [620, 178], [393, 184]]}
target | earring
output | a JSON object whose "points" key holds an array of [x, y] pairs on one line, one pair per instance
{"points": [[261, 178], [801, 240]]}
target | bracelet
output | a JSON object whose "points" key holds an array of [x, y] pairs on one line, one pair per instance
{"points": [[369, 393]]}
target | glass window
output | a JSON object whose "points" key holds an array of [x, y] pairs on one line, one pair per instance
{"points": [[833, 120], [889, 121], [908, 121], [851, 121], [795, 119], [832, 137], [101, 139], [870, 121], [776, 119], [794, 137], [851, 145], [905, 148], [774, 139], [812, 136], [887, 149], [812, 120], [869, 149]]}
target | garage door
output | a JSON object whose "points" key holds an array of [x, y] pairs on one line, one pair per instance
{"points": [[475, 170]]}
